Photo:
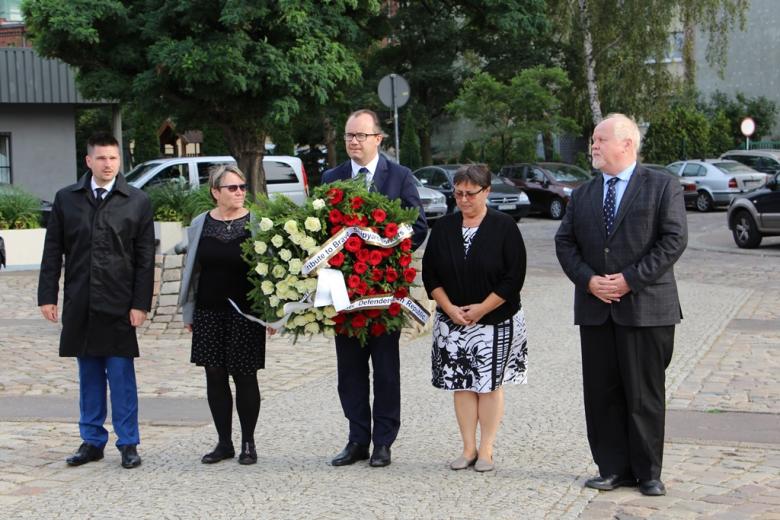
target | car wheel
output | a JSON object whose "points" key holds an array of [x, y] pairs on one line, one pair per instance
{"points": [[704, 201], [556, 209], [745, 232]]}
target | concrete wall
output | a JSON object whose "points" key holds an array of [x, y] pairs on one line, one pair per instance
{"points": [[43, 139], [753, 58]]}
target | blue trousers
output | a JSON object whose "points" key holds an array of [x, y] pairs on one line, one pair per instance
{"points": [[119, 372]]}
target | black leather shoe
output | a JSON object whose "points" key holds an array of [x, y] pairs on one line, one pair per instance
{"points": [[652, 488], [610, 482], [248, 454], [221, 452], [85, 453], [380, 457], [130, 458], [351, 453]]}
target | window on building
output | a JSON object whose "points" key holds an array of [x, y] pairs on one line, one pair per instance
{"points": [[5, 159], [674, 49]]}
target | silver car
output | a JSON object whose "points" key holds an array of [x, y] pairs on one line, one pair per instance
{"points": [[718, 181], [434, 203]]}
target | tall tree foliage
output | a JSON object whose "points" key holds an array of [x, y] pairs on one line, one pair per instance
{"points": [[243, 66]]}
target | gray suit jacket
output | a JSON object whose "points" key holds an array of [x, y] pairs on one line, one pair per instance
{"points": [[649, 235], [190, 274]]}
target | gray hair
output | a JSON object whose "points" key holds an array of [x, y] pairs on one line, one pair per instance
{"points": [[626, 128], [478, 174], [218, 172]]}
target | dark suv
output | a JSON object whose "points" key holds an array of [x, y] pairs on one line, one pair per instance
{"points": [[547, 184], [756, 214]]}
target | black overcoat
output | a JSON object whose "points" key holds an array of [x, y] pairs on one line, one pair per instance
{"points": [[108, 249]]}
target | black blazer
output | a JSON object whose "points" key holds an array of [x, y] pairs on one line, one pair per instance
{"points": [[394, 182], [649, 235], [495, 264]]}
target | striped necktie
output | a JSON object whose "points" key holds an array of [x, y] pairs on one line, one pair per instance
{"points": [[99, 194]]}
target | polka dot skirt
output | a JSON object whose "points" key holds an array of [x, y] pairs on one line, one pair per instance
{"points": [[225, 339]]}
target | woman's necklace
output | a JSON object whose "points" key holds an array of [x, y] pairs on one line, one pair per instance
{"points": [[228, 223]]}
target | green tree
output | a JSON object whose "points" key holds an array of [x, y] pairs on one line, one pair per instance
{"points": [[469, 153], [762, 110], [244, 66], [721, 139], [682, 132], [410, 145], [513, 114]]}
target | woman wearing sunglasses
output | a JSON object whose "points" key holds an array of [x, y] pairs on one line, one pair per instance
{"points": [[223, 341], [474, 267]]}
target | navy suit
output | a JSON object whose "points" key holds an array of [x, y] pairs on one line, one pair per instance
{"points": [[395, 182]]}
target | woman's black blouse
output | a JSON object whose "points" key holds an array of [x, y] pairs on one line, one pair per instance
{"points": [[496, 263]]}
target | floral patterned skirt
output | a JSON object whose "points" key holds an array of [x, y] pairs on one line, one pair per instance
{"points": [[479, 358]]}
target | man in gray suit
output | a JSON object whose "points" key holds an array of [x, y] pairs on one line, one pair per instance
{"points": [[618, 242]]}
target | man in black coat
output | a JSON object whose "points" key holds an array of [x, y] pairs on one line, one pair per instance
{"points": [[104, 229], [618, 242], [362, 136]]}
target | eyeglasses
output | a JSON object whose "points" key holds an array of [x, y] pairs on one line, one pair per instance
{"points": [[467, 194], [359, 136], [233, 187]]}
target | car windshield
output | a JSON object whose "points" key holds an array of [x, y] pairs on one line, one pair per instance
{"points": [[734, 167], [138, 172], [567, 172]]}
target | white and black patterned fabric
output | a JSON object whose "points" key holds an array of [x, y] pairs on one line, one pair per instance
{"points": [[225, 339], [609, 204]]}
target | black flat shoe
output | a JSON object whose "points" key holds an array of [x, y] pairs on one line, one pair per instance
{"points": [[610, 482], [380, 457], [85, 453], [130, 457], [351, 453], [221, 452], [652, 488], [248, 454]]}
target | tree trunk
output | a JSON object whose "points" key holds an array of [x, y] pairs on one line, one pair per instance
{"points": [[549, 149], [590, 63], [248, 148], [330, 141], [688, 49], [425, 145]]}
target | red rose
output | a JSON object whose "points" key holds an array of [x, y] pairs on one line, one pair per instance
{"points": [[406, 244], [378, 215], [353, 244], [339, 318], [377, 329], [335, 196], [375, 257], [373, 313], [363, 221], [405, 260], [391, 275], [410, 274], [353, 281], [377, 275], [394, 309], [356, 203], [337, 260], [387, 251], [335, 216], [360, 267], [363, 255], [391, 230], [362, 288], [335, 229], [358, 321], [401, 292]]}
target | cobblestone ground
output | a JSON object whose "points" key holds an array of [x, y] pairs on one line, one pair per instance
{"points": [[725, 359]]}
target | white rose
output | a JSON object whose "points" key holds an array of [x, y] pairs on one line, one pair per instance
{"points": [[318, 204], [279, 271], [312, 224], [311, 250], [285, 254], [309, 243], [311, 328], [299, 321], [266, 224], [261, 269], [329, 311], [295, 265], [291, 227], [328, 321], [310, 317], [311, 284], [329, 332], [296, 238], [277, 240], [261, 248], [273, 300], [280, 312], [267, 287]]}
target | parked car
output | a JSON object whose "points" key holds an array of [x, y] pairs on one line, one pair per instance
{"points": [[718, 181], [548, 184], [766, 161], [689, 187], [503, 197], [434, 203], [284, 175], [756, 214]]}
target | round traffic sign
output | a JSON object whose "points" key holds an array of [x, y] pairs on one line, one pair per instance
{"points": [[391, 86], [748, 126]]}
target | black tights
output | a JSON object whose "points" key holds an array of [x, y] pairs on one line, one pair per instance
{"points": [[221, 403]]}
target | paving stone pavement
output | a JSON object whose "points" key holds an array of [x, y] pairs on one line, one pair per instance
{"points": [[541, 453]]}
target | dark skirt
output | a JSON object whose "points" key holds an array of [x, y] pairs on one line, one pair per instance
{"points": [[225, 339]]}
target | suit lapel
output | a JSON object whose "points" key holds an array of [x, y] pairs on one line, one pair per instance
{"points": [[597, 203], [632, 190], [380, 175]]}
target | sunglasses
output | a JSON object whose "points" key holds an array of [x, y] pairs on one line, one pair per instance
{"points": [[233, 187], [467, 194]]}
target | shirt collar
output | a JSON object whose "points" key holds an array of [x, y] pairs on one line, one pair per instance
{"points": [[625, 175], [108, 187], [371, 166]]}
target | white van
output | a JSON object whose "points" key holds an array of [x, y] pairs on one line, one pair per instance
{"points": [[284, 174]]}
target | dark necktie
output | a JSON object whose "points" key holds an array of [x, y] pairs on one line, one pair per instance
{"points": [[609, 205], [99, 193], [364, 171]]}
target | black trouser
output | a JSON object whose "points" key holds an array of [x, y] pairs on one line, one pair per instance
{"points": [[354, 390], [623, 373]]}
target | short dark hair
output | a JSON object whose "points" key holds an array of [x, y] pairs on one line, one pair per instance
{"points": [[101, 139], [374, 116], [478, 174]]}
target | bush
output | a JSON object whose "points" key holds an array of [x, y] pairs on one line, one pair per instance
{"points": [[176, 203], [679, 133], [19, 209], [197, 202]]}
